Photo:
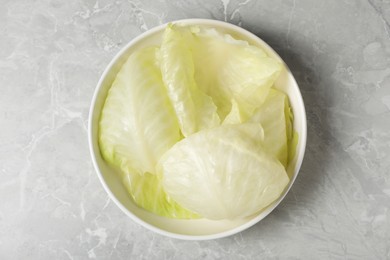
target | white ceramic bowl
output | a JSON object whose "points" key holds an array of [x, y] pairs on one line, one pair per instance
{"points": [[199, 229]]}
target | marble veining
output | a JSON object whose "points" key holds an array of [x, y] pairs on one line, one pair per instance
{"points": [[52, 53]]}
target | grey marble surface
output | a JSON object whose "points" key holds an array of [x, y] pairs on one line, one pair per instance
{"points": [[52, 205]]}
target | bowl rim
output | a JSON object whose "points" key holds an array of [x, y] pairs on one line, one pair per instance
{"points": [[250, 223]]}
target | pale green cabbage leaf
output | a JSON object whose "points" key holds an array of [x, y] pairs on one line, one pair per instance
{"points": [[229, 69], [194, 109], [223, 173], [275, 117], [136, 127]]}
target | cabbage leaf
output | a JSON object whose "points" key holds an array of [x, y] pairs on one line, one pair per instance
{"points": [[136, 127], [223, 173]]}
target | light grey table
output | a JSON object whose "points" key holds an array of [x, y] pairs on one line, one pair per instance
{"points": [[52, 205]]}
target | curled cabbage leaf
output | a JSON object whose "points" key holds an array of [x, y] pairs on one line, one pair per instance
{"points": [[194, 109], [275, 117], [235, 70]]}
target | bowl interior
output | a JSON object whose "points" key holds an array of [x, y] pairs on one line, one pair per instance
{"points": [[200, 228]]}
